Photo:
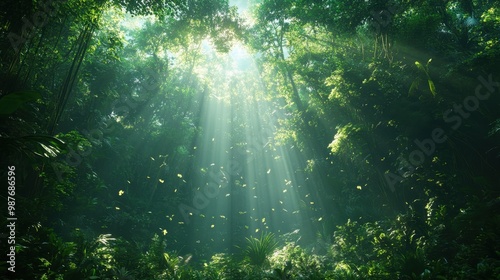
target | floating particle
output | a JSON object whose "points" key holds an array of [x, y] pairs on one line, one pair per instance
{"points": [[121, 192], [269, 171], [152, 158], [263, 220], [320, 219], [179, 175], [256, 230], [212, 226], [165, 232], [161, 181], [358, 187]]}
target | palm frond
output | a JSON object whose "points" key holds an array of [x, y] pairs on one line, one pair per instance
{"points": [[258, 249]]}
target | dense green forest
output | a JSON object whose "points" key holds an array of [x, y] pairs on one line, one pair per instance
{"points": [[271, 139]]}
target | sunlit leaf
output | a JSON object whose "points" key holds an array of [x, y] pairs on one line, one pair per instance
{"points": [[420, 66], [432, 87]]}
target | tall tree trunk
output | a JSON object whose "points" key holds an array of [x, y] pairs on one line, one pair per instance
{"points": [[63, 96]]}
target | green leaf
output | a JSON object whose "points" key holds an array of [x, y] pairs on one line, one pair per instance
{"points": [[420, 66], [414, 86], [13, 101], [43, 145], [432, 87]]}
